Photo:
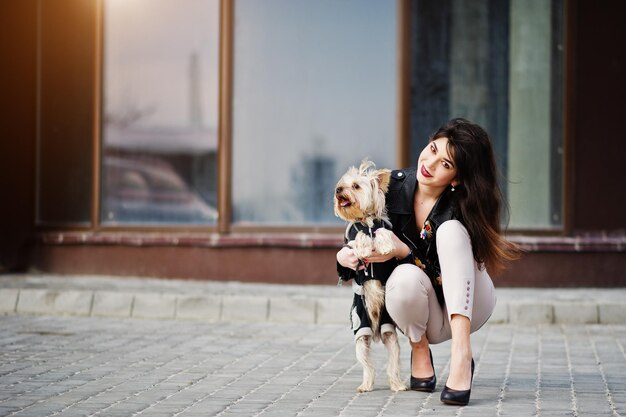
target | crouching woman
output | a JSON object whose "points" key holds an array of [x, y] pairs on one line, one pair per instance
{"points": [[445, 213]]}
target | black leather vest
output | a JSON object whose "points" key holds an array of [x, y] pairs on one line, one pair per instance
{"points": [[422, 242]]}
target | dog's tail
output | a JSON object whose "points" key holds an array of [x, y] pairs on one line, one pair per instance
{"points": [[374, 294]]}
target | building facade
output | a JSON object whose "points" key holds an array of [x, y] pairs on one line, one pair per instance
{"points": [[202, 139]]}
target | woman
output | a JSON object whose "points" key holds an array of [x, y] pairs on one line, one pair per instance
{"points": [[446, 231]]}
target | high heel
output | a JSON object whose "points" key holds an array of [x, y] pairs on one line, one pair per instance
{"points": [[424, 384], [456, 397]]}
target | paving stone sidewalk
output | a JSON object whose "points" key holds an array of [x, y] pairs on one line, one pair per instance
{"points": [[88, 366], [127, 297]]}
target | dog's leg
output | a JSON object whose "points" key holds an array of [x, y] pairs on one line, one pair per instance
{"points": [[363, 355], [383, 243], [374, 294], [390, 340], [363, 245]]}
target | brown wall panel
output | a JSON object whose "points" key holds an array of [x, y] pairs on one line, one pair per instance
{"points": [[599, 139], [305, 265], [566, 269], [275, 265]]}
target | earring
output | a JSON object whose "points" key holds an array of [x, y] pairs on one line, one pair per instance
{"points": [[452, 189]]}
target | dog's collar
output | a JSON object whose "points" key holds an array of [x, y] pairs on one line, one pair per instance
{"points": [[384, 222]]}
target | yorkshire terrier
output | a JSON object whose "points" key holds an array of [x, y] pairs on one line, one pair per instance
{"points": [[360, 201]]}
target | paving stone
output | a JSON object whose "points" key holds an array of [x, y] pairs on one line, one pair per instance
{"points": [[528, 312], [575, 312], [112, 304], [239, 308], [291, 310], [154, 306], [37, 301], [612, 313], [74, 302], [334, 310], [42, 301], [8, 300], [199, 307], [500, 313]]}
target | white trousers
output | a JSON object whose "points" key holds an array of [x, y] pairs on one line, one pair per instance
{"points": [[468, 290]]}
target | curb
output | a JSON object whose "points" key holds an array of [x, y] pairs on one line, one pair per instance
{"points": [[154, 305], [305, 309]]}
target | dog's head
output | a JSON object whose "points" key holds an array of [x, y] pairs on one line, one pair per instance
{"points": [[360, 193]]}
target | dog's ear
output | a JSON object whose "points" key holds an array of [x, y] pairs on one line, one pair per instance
{"points": [[383, 176], [365, 166]]}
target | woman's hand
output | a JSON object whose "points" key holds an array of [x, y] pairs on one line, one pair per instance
{"points": [[400, 249], [347, 258]]}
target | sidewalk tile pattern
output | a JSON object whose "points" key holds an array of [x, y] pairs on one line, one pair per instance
{"points": [[78, 366]]}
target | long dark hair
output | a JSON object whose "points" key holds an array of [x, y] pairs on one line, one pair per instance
{"points": [[478, 197]]}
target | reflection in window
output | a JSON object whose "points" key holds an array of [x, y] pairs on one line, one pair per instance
{"points": [[314, 93], [160, 111], [498, 63]]}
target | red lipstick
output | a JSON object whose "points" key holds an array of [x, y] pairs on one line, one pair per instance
{"points": [[425, 172]]}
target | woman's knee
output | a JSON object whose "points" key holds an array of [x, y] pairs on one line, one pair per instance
{"points": [[406, 285]]}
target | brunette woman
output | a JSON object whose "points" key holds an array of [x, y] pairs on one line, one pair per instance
{"points": [[445, 213]]}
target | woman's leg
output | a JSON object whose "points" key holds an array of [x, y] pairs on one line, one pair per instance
{"points": [[421, 367], [459, 377], [470, 299], [467, 288], [410, 298], [482, 302]]}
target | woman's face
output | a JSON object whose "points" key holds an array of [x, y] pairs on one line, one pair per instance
{"points": [[435, 166]]}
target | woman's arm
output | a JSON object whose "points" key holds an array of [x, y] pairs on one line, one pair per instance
{"points": [[454, 249], [347, 258]]}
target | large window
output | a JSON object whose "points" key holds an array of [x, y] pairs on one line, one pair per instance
{"points": [[160, 119], [314, 92], [498, 63]]}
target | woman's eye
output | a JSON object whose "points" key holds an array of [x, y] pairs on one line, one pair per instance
{"points": [[446, 165]]}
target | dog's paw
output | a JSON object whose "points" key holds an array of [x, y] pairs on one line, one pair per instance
{"points": [[397, 386], [365, 387], [383, 242], [363, 246]]}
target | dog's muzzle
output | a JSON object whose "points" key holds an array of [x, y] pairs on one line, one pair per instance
{"points": [[343, 202]]}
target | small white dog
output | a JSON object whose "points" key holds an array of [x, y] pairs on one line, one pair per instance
{"points": [[360, 201]]}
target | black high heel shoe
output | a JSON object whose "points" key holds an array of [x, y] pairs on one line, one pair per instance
{"points": [[455, 397], [423, 384]]}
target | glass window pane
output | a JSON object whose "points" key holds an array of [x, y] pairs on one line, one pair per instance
{"points": [[498, 63], [531, 137], [314, 93], [160, 122]]}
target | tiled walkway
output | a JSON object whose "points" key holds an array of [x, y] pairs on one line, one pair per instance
{"points": [[79, 366]]}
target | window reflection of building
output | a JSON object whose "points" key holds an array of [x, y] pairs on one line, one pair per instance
{"points": [[498, 63], [161, 112], [300, 75], [311, 78], [313, 186]]}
